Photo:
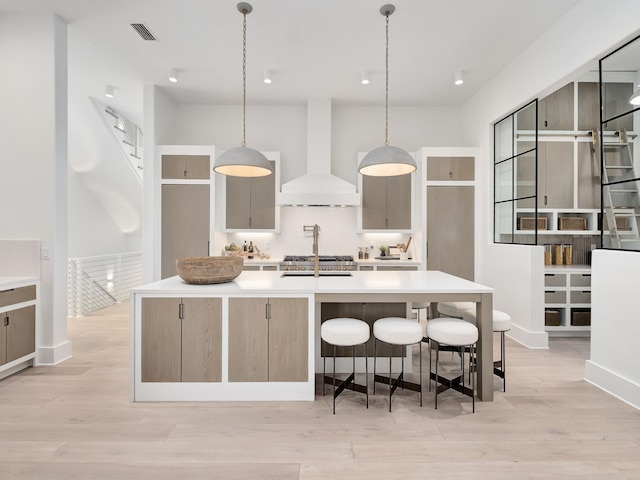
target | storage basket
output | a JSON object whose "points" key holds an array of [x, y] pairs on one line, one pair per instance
{"points": [[572, 223], [529, 223], [551, 318], [580, 318]]}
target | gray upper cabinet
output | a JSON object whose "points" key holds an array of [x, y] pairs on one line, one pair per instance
{"points": [[615, 101], [555, 175], [187, 167], [386, 202], [251, 202], [555, 111], [450, 168], [588, 181]]}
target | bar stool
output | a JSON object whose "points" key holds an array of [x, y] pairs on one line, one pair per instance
{"points": [[501, 323], [418, 306], [454, 309], [345, 332], [397, 331], [453, 332]]}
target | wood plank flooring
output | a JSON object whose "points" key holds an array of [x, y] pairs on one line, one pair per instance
{"points": [[75, 421]]}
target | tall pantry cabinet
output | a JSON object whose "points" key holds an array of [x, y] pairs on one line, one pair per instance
{"points": [[187, 193]]}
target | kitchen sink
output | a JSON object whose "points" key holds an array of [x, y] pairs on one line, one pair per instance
{"points": [[321, 274]]}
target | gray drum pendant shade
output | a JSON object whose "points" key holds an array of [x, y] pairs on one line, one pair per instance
{"points": [[387, 161], [243, 161]]}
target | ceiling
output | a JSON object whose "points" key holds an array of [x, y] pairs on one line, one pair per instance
{"points": [[313, 48]]}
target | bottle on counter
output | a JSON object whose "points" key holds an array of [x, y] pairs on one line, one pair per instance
{"points": [[244, 247], [250, 249]]}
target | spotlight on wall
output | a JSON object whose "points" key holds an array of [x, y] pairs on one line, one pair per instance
{"points": [[108, 91], [266, 76], [364, 78], [173, 75], [458, 78]]}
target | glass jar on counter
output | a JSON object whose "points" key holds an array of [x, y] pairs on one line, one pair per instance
{"points": [[547, 254]]}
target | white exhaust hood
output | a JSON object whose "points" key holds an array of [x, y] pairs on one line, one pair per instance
{"points": [[318, 187]]}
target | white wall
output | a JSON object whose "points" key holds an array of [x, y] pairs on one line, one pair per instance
{"points": [[568, 49], [33, 166], [615, 328]]}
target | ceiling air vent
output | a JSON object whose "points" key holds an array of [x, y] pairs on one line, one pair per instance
{"points": [[143, 31]]}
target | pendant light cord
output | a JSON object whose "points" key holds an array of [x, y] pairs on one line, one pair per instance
{"points": [[244, 78], [386, 91]]}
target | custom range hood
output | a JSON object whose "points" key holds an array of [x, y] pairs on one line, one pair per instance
{"points": [[318, 187]]}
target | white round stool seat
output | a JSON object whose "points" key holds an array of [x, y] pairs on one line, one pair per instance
{"points": [[501, 320], [344, 331], [452, 331], [397, 330], [454, 309]]}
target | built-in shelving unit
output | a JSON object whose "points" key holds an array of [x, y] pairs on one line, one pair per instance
{"points": [[567, 294]]}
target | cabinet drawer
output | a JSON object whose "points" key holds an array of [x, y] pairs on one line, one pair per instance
{"points": [[580, 279], [396, 267], [555, 297], [17, 295], [270, 268], [250, 268], [581, 297], [555, 280], [365, 268]]}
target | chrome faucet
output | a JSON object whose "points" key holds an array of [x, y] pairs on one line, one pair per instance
{"points": [[316, 262]]}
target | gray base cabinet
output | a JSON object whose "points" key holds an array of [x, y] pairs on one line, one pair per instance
{"points": [[181, 340], [17, 328], [268, 340]]}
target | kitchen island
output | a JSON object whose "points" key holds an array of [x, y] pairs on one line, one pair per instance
{"points": [[256, 338]]}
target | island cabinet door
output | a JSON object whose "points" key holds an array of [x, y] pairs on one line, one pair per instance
{"points": [[248, 340], [201, 340], [160, 337], [288, 340], [181, 340]]}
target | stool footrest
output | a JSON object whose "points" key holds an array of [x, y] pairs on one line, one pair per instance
{"points": [[346, 384], [397, 382]]}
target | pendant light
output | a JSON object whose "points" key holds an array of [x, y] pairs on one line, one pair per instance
{"points": [[387, 161], [243, 161]]}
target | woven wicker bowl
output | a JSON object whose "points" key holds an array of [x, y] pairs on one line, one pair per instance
{"points": [[204, 270]]}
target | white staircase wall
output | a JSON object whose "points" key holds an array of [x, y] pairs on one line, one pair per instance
{"points": [[105, 196]]}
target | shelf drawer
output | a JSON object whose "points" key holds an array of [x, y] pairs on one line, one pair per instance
{"points": [[555, 280], [581, 297], [17, 295], [580, 279], [555, 297]]}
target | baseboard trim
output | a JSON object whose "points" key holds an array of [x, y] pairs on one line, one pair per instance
{"points": [[54, 355], [527, 338], [612, 383]]}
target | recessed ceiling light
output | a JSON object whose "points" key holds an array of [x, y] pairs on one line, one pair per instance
{"points": [[458, 78], [266, 76], [364, 78], [173, 75], [108, 91]]}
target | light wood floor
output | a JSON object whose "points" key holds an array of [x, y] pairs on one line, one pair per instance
{"points": [[74, 421]]}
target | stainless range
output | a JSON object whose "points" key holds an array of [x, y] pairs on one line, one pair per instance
{"points": [[327, 263]]}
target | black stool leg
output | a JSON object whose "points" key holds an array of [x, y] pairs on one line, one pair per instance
{"points": [[502, 368], [366, 372], [375, 360], [334, 379], [436, 379], [390, 387]]}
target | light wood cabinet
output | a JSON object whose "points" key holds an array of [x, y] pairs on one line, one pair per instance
{"points": [[268, 340], [555, 111], [181, 340], [555, 175], [450, 168], [251, 202], [386, 202], [450, 230], [187, 167], [17, 333], [588, 181], [615, 102], [185, 224]]}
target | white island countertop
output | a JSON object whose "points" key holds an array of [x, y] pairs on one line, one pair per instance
{"points": [[367, 282]]}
